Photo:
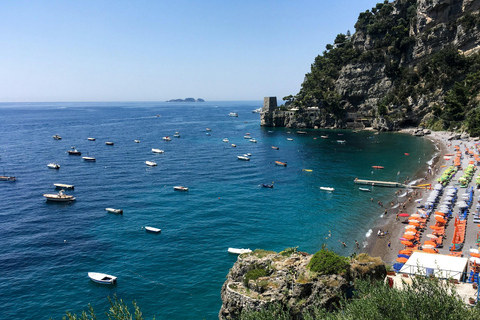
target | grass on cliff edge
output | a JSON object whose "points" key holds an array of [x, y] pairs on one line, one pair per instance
{"points": [[328, 262]]}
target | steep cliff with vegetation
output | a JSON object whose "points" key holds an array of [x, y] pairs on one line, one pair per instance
{"points": [[409, 62]]}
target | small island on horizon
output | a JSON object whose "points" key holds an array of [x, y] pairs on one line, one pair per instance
{"points": [[186, 100]]}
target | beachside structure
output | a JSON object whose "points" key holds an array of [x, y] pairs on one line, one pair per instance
{"points": [[438, 265]]}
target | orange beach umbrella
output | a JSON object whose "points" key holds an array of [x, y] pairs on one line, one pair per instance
{"points": [[402, 260], [440, 219], [436, 227], [407, 243], [407, 252], [429, 250], [408, 236]]}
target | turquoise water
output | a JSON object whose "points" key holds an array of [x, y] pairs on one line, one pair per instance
{"points": [[47, 249]]}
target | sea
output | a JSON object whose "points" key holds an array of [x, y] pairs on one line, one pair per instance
{"points": [[47, 248]]}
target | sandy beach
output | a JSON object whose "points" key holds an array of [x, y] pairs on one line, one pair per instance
{"points": [[378, 246]]}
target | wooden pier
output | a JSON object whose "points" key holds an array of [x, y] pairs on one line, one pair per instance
{"points": [[387, 184]]}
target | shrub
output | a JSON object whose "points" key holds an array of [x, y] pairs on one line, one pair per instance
{"points": [[328, 262], [254, 274]]}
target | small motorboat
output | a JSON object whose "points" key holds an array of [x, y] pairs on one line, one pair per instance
{"points": [[180, 188], [289, 139], [233, 114], [152, 229], [324, 137], [109, 143], [90, 159], [57, 137], [253, 140], [64, 186], [234, 145], [157, 151], [275, 148], [225, 140], [238, 251], [74, 152], [267, 185], [59, 197], [327, 189], [136, 141], [167, 138], [247, 137], [364, 189], [208, 129], [7, 178], [307, 170], [377, 167], [112, 210], [279, 163], [301, 132], [53, 165], [208, 133], [341, 141], [249, 154], [102, 278], [244, 158], [91, 139], [176, 136], [150, 163]]}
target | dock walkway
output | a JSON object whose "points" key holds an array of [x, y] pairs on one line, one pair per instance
{"points": [[386, 184]]}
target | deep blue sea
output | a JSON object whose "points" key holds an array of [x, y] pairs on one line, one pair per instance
{"points": [[48, 248]]}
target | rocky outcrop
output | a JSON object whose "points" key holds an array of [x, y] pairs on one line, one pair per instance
{"points": [[286, 280], [364, 84]]}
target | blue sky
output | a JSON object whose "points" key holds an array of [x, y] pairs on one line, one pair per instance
{"points": [[159, 50]]}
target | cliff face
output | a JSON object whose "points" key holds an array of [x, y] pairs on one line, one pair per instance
{"points": [[388, 63], [287, 281]]}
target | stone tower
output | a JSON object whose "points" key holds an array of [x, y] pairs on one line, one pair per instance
{"points": [[269, 104]]}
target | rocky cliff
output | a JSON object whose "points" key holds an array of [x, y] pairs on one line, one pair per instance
{"points": [[262, 278], [398, 69]]}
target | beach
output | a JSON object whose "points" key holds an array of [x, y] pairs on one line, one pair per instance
{"points": [[378, 246]]}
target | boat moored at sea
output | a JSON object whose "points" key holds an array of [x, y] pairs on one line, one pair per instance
{"points": [[74, 152], [234, 145], [280, 163], [233, 114], [267, 185], [324, 137], [157, 151], [225, 140], [102, 278], [364, 189], [180, 188], [90, 159], [275, 148], [7, 178], [253, 140], [57, 137], [377, 167], [136, 141], [109, 143], [238, 251], [167, 138], [64, 186], [59, 197], [53, 165], [327, 189], [152, 229], [112, 210], [244, 158], [150, 163], [91, 139]]}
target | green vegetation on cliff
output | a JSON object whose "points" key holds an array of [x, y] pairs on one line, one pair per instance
{"points": [[440, 89]]}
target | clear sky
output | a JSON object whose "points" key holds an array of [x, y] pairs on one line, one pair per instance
{"points": [[95, 50]]}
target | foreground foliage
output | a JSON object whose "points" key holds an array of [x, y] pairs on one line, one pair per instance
{"points": [[425, 299]]}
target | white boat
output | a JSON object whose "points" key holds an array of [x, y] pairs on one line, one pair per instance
{"points": [[102, 278], [324, 137], [247, 137], [364, 189], [53, 165], [341, 141], [176, 136], [289, 139], [180, 188], [167, 138], [233, 114], [327, 189], [57, 137], [234, 145], [64, 186], [152, 229], [150, 163], [136, 141], [157, 151], [118, 211], [253, 140], [244, 158], [225, 140], [109, 143], [238, 251], [91, 139], [7, 178], [59, 197], [208, 129], [91, 159]]}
